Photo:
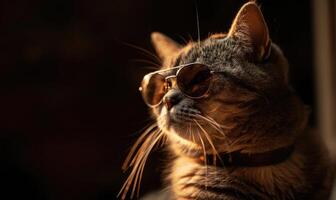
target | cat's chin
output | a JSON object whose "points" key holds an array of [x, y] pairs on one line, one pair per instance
{"points": [[176, 126], [181, 132], [184, 126], [180, 137]]}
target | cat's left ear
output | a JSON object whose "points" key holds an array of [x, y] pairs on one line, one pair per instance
{"points": [[249, 25], [164, 46]]}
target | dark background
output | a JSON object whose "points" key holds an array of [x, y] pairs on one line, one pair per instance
{"points": [[69, 102]]}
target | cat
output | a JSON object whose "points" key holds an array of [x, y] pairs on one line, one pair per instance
{"points": [[233, 124]]}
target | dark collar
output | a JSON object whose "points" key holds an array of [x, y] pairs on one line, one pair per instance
{"points": [[238, 159]]}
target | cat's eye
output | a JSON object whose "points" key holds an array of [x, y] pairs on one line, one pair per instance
{"points": [[193, 80]]}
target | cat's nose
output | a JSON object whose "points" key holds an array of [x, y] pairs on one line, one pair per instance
{"points": [[172, 98]]}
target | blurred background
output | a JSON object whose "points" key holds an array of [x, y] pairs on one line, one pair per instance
{"points": [[69, 75]]}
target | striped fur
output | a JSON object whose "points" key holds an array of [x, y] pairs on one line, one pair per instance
{"points": [[250, 107]]}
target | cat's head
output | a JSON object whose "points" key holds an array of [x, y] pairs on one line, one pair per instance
{"points": [[247, 70]]}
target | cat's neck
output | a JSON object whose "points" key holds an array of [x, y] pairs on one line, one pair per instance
{"points": [[284, 180]]}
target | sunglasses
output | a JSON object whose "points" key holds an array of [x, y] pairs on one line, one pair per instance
{"points": [[193, 80]]}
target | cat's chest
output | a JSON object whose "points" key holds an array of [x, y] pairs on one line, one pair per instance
{"points": [[192, 180]]}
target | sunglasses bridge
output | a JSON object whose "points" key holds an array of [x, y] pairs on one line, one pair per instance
{"points": [[170, 82]]}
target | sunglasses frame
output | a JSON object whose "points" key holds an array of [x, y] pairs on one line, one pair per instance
{"points": [[180, 67]]}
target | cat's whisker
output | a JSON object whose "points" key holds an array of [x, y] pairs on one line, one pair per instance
{"points": [[192, 135], [156, 65], [219, 125], [214, 109], [135, 163], [226, 139], [198, 28], [217, 129], [139, 153], [127, 162], [139, 159], [213, 124], [204, 155], [142, 159], [163, 139], [211, 120], [215, 152], [159, 137], [145, 51]]}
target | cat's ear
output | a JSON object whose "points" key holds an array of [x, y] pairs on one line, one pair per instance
{"points": [[249, 25], [164, 46]]}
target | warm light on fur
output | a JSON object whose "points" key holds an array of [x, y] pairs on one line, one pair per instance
{"points": [[250, 108]]}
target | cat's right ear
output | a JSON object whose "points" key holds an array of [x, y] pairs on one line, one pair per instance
{"points": [[249, 25], [164, 46]]}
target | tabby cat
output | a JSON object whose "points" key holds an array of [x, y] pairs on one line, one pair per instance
{"points": [[235, 128]]}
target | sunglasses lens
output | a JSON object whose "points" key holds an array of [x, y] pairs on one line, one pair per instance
{"points": [[153, 89], [194, 80]]}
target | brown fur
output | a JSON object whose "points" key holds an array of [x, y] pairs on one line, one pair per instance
{"points": [[251, 109]]}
